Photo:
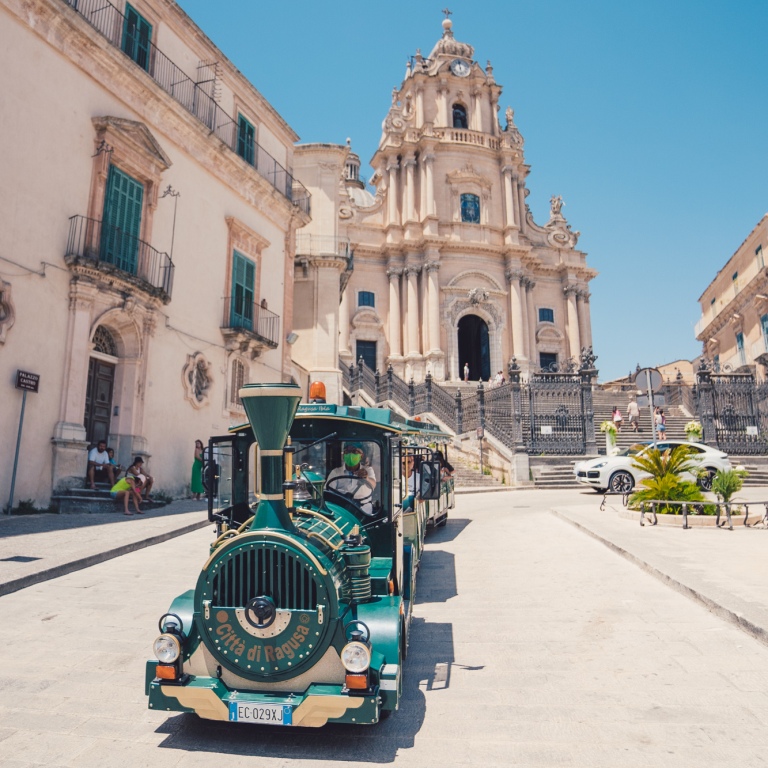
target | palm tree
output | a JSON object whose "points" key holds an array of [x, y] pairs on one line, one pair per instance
{"points": [[665, 483]]}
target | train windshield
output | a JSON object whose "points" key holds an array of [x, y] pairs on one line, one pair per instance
{"points": [[348, 468]]}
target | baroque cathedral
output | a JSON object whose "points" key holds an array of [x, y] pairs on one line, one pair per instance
{"points": [[442, 265]]}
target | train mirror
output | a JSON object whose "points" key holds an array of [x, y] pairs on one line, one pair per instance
{"points": [[430, 480]]}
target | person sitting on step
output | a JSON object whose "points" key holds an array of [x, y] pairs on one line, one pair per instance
{"points": [[99, 466]]}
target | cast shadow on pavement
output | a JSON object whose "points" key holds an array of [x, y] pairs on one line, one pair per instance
{"points": [[450, 531], [378, 743]]}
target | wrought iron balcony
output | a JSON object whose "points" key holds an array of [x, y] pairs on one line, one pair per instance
{"points": [[111, 250], [249, 327], [322, 245], [110, 22]]}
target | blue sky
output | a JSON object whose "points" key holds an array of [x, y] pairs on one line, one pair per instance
{"points": [[650, 119]]}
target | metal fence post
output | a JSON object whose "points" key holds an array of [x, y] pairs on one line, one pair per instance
{"points": [[588, 372], [706, 403], [377, 379], [411, 398], [390, 374], [481, 404], [516, 406], [459, 416], [428, 393]]}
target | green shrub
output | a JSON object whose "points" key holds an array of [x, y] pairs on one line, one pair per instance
{"points": [[728, 482]]}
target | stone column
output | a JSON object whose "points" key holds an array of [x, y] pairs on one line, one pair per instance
{"points": [[392, 217], [514, 276], [429, 161], [531, 314], [412, 310], [442, 105], [510, 220], [409, 212], [520, 203], [572, 321], [585, 327], [420, 105], [344, 350], [476, 121], [395, 319], [433, 297]]}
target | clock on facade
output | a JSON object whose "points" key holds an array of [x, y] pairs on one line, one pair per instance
{"points": [[460, 68]]}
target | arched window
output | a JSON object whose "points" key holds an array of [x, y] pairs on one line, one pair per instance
{"points": [[470, 208], [460, 116], [104, 342]]}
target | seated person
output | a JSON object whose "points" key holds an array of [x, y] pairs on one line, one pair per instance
{"points": [[99, 466], [413, 482], [354, 478], [116, 468], [446, 469], [137, 470], [125, 487]]}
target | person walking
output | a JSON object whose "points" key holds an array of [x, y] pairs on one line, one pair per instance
{"points": [[661, 422], [633, 414], [616, 417], [196, 484], [466, 371]]}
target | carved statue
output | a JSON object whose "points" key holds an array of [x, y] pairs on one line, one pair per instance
{"points": [[510, 115], [556, 204]]}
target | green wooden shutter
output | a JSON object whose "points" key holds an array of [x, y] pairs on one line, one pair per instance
{"points": [[121, 223], [245, 139], [243, 281], [137, 37]]}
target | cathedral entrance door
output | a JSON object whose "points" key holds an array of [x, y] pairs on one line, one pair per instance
{"points": [[474, 348]]}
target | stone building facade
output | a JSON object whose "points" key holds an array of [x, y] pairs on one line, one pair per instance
{"points": [[146, 255], [450, 267], [733, 328]]}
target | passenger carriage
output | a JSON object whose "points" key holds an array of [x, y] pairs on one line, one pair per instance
{"points": [[301, 613]]}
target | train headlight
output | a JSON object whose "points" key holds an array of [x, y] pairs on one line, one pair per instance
{"points": [[167, 648], [356, 657]]}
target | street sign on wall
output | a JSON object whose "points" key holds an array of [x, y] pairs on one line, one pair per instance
{"points": [[28, 381]]}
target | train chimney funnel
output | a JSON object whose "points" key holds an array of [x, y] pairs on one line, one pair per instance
{"points": [[271, 409]]}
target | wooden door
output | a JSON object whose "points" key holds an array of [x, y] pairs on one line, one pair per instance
{"points": [[98, 400]]}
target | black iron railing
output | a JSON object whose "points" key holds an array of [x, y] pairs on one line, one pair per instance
{"points": [[109, 247], [241, 315], [194, 97]]}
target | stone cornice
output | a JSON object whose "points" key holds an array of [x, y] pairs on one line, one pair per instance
{"points": [[746, 296]]}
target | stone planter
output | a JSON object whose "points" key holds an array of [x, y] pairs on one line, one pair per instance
{"points": [[610, 444], [693, 437]]}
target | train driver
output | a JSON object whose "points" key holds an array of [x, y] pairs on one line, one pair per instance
{"points": [[354, 478]]}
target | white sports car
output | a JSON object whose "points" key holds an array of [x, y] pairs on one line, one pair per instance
{"points": [[617, 474]]}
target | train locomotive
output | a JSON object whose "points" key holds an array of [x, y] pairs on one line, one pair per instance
{"points": [[301, 613]]}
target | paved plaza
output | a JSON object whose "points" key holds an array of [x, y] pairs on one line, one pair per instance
{"points": [[546, 633]]}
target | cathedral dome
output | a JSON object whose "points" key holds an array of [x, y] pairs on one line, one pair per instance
{"points": [[449, 46]]}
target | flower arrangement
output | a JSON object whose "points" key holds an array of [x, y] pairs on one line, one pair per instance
{"points": [[693, 430], [608, 427]]}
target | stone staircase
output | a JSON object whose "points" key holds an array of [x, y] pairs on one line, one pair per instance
{"points": [[467, 475], [552, 477], [76, 500], [603, 403]]}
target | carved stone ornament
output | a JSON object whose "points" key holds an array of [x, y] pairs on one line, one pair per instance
{"points": [[477, 296], [587, 359], [196, 378], [7, 310], [559, 234]]}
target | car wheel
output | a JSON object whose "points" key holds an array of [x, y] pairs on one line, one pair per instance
{"points": [[621, 482], [705, 479]]}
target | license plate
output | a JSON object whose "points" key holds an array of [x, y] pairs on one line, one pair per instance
{"points": [[270, 714]]}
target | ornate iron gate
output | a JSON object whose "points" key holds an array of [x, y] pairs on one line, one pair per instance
{"points": [[731, 411], [556, 415]]}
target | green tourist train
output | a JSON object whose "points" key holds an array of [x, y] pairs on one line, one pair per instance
{"points": [[301, 613]]}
